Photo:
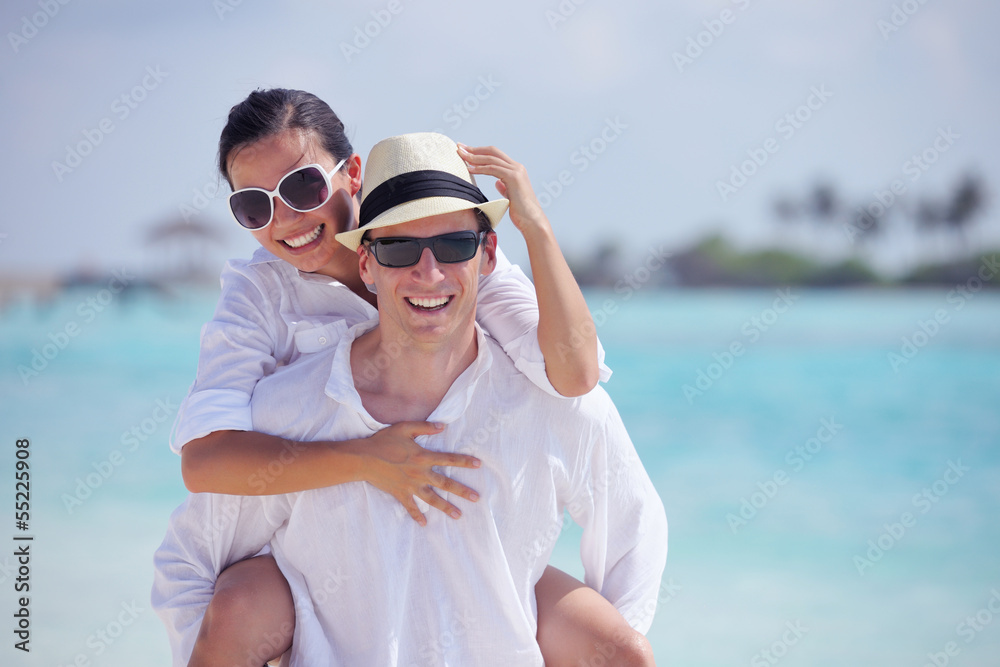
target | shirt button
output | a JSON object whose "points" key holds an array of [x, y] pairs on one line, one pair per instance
{"points": [[322, 340]]}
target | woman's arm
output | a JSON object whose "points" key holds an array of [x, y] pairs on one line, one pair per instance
{"points": [[247, 463], [247, 339], [566, 332]]}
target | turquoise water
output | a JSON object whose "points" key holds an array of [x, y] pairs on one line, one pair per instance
{"points": [[813, 381]]}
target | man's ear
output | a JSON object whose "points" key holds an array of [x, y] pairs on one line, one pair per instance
{"points": [[353, 165], [363, 258], [488, 260]]}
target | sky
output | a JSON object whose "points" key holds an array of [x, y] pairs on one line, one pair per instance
{"points": [[630, 117]]}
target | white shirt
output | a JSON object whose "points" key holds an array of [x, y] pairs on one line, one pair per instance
{"points": [[374, 588], [267, 307]]}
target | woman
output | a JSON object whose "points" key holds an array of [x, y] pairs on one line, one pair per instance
{"points": [[296, 180]]}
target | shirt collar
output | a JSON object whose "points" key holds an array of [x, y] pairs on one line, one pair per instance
{"points": [[340, 386], [262, 256]]}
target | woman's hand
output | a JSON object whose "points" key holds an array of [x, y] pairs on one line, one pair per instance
{"points": [[396, 464], [566, 332], [512, 182]]}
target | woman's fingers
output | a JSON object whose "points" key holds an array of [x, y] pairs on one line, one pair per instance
{"points": [[484, 153], [451, 459], [412, 509], [488, 160], [413, 429], [427, 494], [451, 486], [410, 470]]}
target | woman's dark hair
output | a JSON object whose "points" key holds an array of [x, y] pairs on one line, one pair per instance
{"points": [[265, 113]]}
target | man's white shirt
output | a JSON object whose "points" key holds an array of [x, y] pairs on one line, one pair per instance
{"points": [[371, 586], [268, 310]]}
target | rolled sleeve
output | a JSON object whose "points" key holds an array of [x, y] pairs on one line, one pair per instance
{"points": [[210, 410], [237, 349], [508, 310], [527, 356]]}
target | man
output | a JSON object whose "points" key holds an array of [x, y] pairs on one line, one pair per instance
{"points": [[370, 587]]}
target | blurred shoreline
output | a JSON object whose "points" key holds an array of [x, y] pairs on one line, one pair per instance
{"points": [[712, 263], [715, 262]]}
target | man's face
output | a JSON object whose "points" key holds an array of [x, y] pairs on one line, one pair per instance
{"points": [[429, 302]]}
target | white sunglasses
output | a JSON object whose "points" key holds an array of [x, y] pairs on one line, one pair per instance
{"points": [[303, 189]]}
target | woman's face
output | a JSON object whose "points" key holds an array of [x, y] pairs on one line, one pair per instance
{"points": [[304, 240]]}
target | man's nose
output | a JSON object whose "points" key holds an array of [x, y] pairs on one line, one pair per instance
{"points": [[427, 267]]}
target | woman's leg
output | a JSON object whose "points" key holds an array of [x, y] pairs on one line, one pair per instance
{"points": [[577, 627], [250, 619]]}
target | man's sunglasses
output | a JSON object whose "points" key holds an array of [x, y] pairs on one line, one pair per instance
{"points": [[397, 252], [303, 189]]}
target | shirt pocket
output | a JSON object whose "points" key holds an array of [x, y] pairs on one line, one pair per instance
{"points": [[310, 337]]}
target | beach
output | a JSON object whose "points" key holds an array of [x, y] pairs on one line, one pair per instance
{"points": [[829, 462]]}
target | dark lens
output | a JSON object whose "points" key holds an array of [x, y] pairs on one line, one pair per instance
{"points": [[397, 252], [304, 189], [454, 248], [252, 208]]}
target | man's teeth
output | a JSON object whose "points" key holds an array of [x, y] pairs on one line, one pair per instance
{"points": [[429, 303], [308, 237]]}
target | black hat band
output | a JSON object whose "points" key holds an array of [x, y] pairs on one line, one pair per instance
{"points": [[416, 185]]}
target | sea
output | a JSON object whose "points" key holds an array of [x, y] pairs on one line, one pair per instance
{"points": [[829, 462]]}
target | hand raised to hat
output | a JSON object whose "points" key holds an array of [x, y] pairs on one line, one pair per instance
{"points": [[566, 333], [512, 182]]}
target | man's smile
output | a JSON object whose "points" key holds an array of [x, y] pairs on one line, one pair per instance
{"points": [[428, 303]]}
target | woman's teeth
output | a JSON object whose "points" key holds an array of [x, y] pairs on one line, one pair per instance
{"points": [[308, 237], [429, 303]]}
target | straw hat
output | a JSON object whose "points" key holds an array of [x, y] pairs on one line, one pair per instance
{"points": [[415, 176]]}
